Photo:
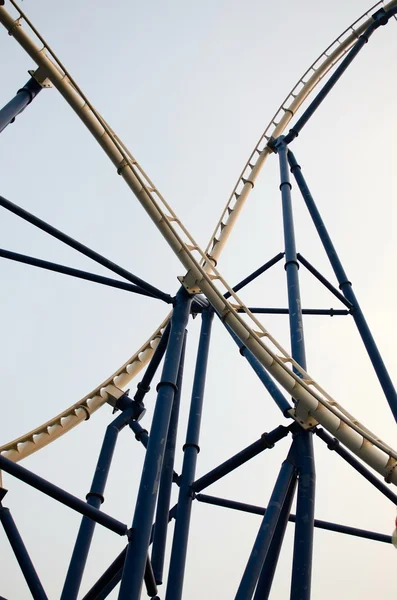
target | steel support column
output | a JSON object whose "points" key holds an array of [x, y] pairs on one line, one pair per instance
{"points": [[346, 288], [62, 496], [134, 567], [21, 554], [167, 475], [269, 566], [303, 440], [23, 97], [95, 498], [304, 523], [266, 532], [191, 449]]}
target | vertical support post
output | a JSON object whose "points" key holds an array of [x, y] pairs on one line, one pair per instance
{"points": [[346, 288], [304, 524], [266, 531], [191, 450], [94, 498], [21, 554], [269, 566], [303, 440], [163, 504], [23, 97], [134, 566], [291, 261]]}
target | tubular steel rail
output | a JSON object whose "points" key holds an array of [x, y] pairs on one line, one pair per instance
{"points": [[78, 412], [313, 404]]}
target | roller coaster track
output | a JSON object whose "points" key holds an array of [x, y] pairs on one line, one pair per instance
{"points": [[313, 404]]}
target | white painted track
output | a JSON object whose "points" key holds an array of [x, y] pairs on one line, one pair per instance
{"points": [[313, 404]]}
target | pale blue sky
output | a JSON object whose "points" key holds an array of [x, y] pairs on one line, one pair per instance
{"points": [[189, 87]]}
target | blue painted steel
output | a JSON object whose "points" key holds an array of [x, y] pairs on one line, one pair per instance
{"points": [[191, 449], [111, 577], [23, 97], [78, 273], [21, 554], [291, 261], [380, 18], [143, 386], [305, 311], [327, 525], [256, 273], [167, 474], [140, 433], [95, 498], [108, 580], [134, 567], [322, 279], [66, 239], [267, 440], [303, 440], [346, 288], [269, 566], [304, 524], [263, 375], [59, 494], [334, 444], [266, 532]]}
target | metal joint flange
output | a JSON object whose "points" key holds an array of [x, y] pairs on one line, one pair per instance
{"points": [[113, 394], [40, 75], [391, 465], [16, 23], [189, 282], [302, 417]]}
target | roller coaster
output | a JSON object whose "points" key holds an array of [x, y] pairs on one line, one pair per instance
{"points": [[151, 562]]}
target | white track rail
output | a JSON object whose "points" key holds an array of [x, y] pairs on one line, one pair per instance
{"points": [[313, 404]]}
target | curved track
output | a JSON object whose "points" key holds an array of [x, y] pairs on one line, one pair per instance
{"points": [[313, 404]]}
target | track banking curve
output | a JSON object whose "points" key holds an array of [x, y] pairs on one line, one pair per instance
{"points": [[313, 404]]}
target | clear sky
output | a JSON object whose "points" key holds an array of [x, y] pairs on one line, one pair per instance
{"points": [[189, 87]]}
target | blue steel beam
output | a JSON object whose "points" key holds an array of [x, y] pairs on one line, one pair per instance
{"points": [[23, 97], [346, 288], [66, 239], [304, 520], [95, 498], [266, 532], [21, 554], [256, 273], [57, 493], [266, 441], [134, 567], [269, 566], [78, 273], [331, 312], [318, 523], [111, 577], [303, 440], [381, 17], [323, 280], [191, 449], [291, 260], [143, 386], [167, 475]]}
